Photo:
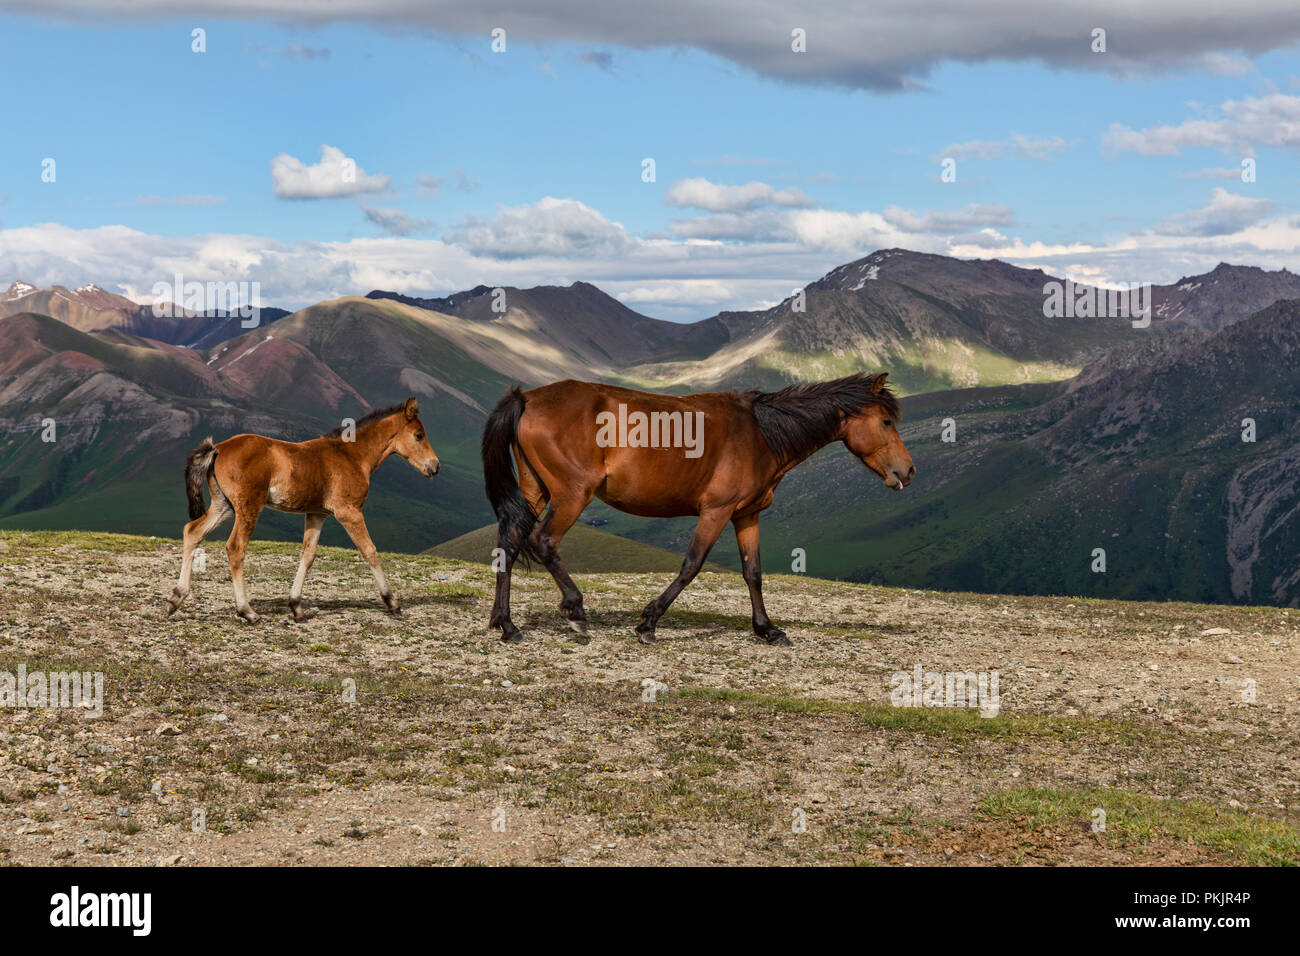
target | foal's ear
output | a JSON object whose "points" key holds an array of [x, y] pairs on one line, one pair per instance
{"points": [[412, 408], [878, 385]]}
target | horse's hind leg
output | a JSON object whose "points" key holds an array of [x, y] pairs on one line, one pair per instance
{"points": [[236, 548], [355, 525], [501, 600], [310, 538], [707, 530], [193, 535], [546, 540]]}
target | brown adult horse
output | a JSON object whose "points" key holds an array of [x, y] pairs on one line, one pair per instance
{"points": [[326, 476], [718, 455]]}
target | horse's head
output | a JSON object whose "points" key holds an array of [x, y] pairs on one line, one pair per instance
{"points": [[872, 435], [412, 443]]}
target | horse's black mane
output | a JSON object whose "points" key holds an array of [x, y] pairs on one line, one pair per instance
{"points": [[799, 419], [369, 418]]}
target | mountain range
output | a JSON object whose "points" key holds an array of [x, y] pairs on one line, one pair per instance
{"points": [[1071, 434]]}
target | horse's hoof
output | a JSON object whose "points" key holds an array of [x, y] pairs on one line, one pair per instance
{"points": [[646, 637], [251, 617], [395, 611], [580, 632], [171, 608], [513, 637], [776, 637]]}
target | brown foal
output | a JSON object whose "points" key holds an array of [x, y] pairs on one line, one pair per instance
{"points": [[718, 455], [326, 476]]}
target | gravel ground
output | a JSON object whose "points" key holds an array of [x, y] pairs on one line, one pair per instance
{"points": [[225, 743]]}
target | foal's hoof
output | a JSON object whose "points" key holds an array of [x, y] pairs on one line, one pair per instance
{"points": [[580, 632], [396, 610], [251, 617], [512, 637], [299, 615], [646, 637], [776, 637]]}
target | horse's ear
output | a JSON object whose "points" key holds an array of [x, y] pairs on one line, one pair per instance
{"points": [[412, 408], [878, 385]]}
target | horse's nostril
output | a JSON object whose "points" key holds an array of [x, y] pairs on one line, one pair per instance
{"points": [[911, 472]]}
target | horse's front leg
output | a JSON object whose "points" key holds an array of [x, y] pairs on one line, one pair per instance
{"points": [[752, 568], [707, 530], [355, 525]]}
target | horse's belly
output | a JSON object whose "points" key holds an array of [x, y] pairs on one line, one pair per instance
{"points": [[285, 497], [644, 498]]}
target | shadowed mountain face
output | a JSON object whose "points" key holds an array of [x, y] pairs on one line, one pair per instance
{"points": [[1135, 454]]}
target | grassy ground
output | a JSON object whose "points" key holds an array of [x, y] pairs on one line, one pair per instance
{"points": [[459, 750]]}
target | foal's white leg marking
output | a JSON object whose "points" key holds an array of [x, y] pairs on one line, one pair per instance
{"points": [[355, 526], [193, 536], [310, 538]]}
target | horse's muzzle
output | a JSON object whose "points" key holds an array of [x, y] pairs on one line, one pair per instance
{"points": [[903, 479]]}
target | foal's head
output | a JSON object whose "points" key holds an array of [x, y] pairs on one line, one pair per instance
{"points": [[872, 435], [412, 443]]}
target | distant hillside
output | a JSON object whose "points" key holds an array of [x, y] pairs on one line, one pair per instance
{"points": [[92, 309], [1029, 481], [585, 550], [1142, 456]]}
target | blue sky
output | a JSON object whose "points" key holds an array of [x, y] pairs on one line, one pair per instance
{"points": [[524, 167]]}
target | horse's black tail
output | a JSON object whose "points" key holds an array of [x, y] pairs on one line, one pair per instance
{"points": [[515, 518], [197, 469]]}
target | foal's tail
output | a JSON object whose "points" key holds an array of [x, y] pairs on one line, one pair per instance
{"points": [[514, 517], [197, 469]]}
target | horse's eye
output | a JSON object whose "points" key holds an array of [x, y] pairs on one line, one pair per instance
{"points": [[419, 436], [888, 423]]}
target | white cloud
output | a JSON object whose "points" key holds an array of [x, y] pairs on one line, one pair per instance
{"points": [[972, 217], [548, 227], [1018, 145], [1237, 126], [336, 176], [427, 185], [395, 222], [1226, 213], [675, 276], [701, 193]]}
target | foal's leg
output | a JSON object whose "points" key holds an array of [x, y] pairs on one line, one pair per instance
{"points": [[310, 538], [747, 541], [236, 548], [192, 537], [546, 539], [707, 530], [355, 525]]}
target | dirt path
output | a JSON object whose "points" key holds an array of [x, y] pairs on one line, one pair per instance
{"points": [[1175, 721]]}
